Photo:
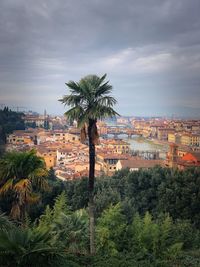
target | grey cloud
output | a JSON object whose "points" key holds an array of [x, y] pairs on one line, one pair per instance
{"points": [[150, 50]]}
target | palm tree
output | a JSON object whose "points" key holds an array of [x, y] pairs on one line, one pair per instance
{"points": [[20, 172], [71, 228], [30, 246], [90, 101]]}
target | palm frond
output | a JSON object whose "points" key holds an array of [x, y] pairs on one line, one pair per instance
{"points": [[101, 112], [71, 100], [105, 89], [6, 187], [26, 247], [23, 186], [74, 113], [108, 101], [5, 223], [39, 178], [32, 198], [74, 87], [77, 113]]}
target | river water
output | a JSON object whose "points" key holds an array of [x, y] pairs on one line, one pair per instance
{"points": [[138, 143]]}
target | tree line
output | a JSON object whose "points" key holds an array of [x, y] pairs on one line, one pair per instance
{"points": [[9, 121]]}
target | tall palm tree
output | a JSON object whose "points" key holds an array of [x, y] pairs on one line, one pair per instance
{"points": [[90, 101], [20, 172]]}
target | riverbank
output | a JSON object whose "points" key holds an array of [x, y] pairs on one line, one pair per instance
{"points": [[143, 144]]}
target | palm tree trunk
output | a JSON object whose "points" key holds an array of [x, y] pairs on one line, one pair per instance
{"points": [[91, 186]]}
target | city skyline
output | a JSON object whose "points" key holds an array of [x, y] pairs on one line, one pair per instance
{"points": [[149, 50]]}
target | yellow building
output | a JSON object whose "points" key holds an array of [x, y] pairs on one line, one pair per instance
{"points": [[116, 146], [189, 139], [64, 137], [20, 138], [49, 156], [80, 166], [171, 137], [163, 133]]}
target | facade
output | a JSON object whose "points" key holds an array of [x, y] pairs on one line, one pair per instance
{"points": [[162, 133], [191, 159], [171, 137], [49, 156], [190, 139], [20, 138], [116, 146], [135, 164], [172, 156], [108, 162]]}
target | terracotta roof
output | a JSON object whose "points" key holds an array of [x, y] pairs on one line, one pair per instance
{"points": [[140, 163], [196, 155], [43, 149], [114, 142], [65, 150], [113, 156]]}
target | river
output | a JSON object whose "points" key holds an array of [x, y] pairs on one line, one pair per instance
{"points": [[138, 143]]}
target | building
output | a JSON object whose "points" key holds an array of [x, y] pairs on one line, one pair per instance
{"points": [[37, 121], [48, 154], [172, 156], [108, 162], [57, 136], [116, 146], [162, 133], [190, 139], [191, 159], [21, 137], [134, 164], [174, 137]]}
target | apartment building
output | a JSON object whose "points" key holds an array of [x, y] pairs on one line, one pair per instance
{"points": [[190, 139]]}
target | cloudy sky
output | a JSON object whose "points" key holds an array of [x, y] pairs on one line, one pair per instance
{"points": [[150, 50]]}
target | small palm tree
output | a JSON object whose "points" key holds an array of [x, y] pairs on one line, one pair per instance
{"points": [[30, 246], [90, 101], [19, 173]]}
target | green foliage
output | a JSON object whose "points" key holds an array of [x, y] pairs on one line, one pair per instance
{"points": [[9, 121], [179, 195], [55, 188], [20, 174], [50, 216], [133, 226], [23, 247], [110, 230], [105, 195], [71, 228], [154, 239], [77, 193]]}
